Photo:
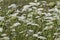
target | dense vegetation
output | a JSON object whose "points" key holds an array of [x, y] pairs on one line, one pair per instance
{"points": [[29, 20]]}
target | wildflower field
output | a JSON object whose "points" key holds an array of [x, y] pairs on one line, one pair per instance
{"points": [[33, 20]]}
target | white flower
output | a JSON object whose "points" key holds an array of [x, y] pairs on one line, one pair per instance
{"points": [[21, 32], [1, 18], [43, 2], [34, 7], [35, 1], [34, 4], [35, 24], [31, 23], [40, 9], [56, 33], [58, 28], [58, 3], [26, 7], [21, 18], [35, 35], [39, 32], [4, 34], [1, 29], [37, 16], [48, 14], [13, 30], [30, 9], [39, 12], [0, 7], [27, 35], [13, 6], [50, 18], [45, 28], [38, 3], [57, 38], [56, 9], [41, 37], [1, 0], [49, 23], [50, 10], [30, 15], [14, 25], [6, 38], [53, 9], [48, 27], [30, 32], [14, 14], [17, 11]]}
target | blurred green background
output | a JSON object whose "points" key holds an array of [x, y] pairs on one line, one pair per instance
{"points": [[5, 3], [21, 2]]}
